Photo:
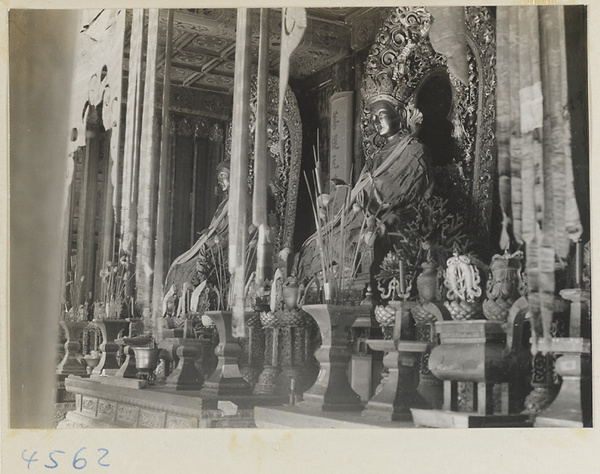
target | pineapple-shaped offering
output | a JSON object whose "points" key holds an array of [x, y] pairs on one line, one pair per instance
{"points": [[505, 285], [464, 293]]}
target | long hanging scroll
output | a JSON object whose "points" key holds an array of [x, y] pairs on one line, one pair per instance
{"points": [[261, 157], [163, 168], [563, 212], [503, 124], [147, 178], [239, 169], [515, 149], [132, 126], [293, 25]]}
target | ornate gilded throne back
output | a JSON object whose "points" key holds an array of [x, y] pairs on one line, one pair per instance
{"points": [[458, 118], [285, 168]]}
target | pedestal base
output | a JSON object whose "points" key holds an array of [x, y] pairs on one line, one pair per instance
{"points": [[186, 376], [227, 379], [332, 391], [71, 362], [108, 361], [398, 393], [128, 369], [452, 419], [573, 404]]}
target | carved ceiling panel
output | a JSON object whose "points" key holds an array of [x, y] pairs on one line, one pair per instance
{"points": [[225, 68], [191, 58], [178, 75], [209, 43], [204, 43], [215, 81]]}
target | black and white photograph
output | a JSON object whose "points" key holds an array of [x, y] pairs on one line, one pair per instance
{"points": [[297, 218]]}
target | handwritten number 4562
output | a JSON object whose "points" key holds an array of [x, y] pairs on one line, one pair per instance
{"points": [[79, 462]]}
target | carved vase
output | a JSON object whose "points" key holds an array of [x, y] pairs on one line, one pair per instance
{"points": [[110, 329], [70, 364], [227, 378], [186, 375], [146, 361], [332, 391], [504, 286], [91, 362], [428, 281]]}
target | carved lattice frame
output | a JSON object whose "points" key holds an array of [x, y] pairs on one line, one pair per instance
{"points": [[402, 47]]}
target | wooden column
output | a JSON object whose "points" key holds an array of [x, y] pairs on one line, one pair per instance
{"points": [[148, 171], [239, 167], [161, 228]]}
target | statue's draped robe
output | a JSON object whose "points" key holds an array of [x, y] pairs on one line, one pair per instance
{"points": [[183, 269], [400, 176]]}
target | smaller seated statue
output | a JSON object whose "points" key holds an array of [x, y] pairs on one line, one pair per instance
{"points": [[206, 260]]}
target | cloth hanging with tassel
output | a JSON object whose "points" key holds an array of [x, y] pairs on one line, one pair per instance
{"points": [[534, 155]]}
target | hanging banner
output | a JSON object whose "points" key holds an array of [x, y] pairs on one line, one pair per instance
{"points": [[448, 37], [293, 26]]}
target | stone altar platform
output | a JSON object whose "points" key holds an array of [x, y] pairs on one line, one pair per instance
{"points": [[299, 417], [454, 419], [102, 404]]}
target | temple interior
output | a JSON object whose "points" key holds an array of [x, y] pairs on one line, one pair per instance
{"points": [[326, 217]]}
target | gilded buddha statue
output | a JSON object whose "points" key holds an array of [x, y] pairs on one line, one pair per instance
{"points": [[399, 176]]}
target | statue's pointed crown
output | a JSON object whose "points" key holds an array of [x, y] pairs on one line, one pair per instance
{"points": [[381, 87]]}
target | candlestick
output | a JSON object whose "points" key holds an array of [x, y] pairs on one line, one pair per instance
{"points": [[578, 263], [401, 278]]}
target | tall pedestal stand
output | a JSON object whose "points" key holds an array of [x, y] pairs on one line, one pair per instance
{"points": [[332, 391], [430, 387], [573, 404], [398, 393], [128, 368], [108, 361], [70, 364], [227, 378]]}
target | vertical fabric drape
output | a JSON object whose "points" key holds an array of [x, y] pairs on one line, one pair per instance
{"points": [[148, 174], [534, 157]]}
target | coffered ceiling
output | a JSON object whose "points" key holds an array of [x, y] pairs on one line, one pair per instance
{"points": [[204, 44]]}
